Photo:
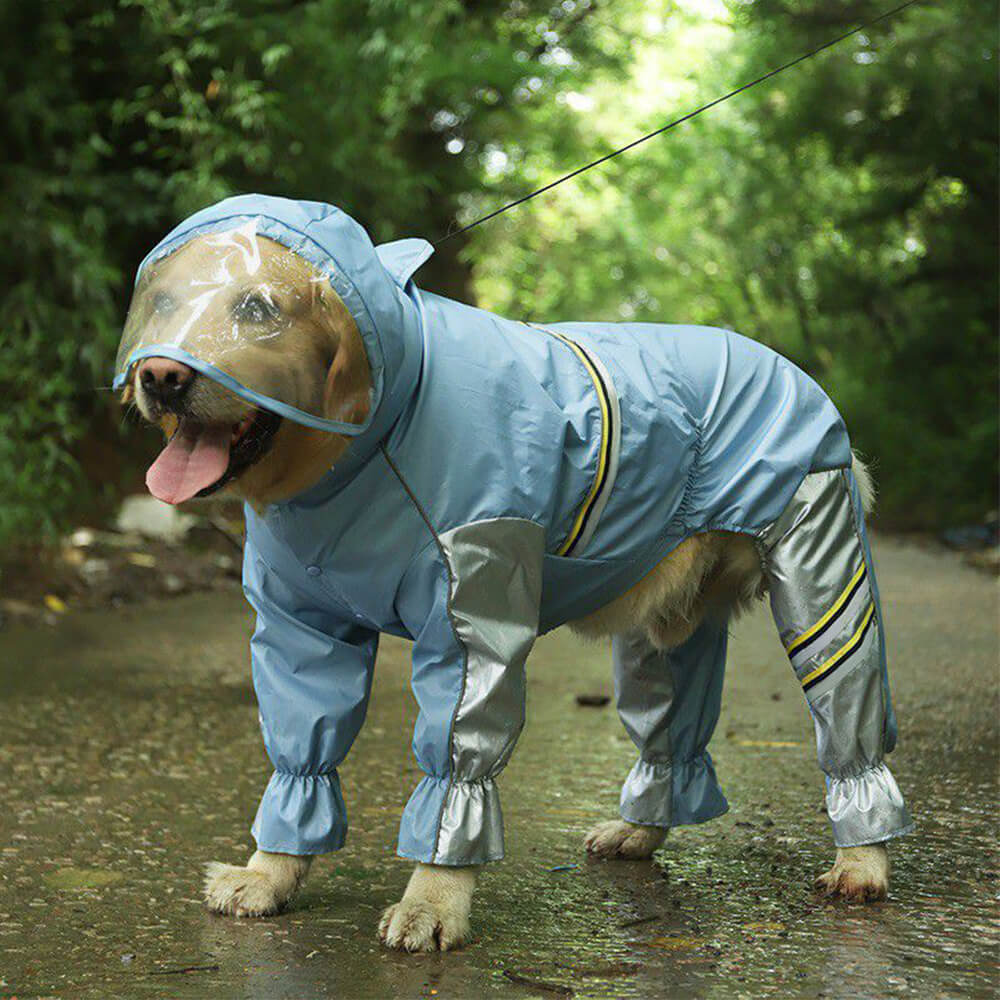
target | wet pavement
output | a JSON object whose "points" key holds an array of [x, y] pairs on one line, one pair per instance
{"points": [[130, 755]]}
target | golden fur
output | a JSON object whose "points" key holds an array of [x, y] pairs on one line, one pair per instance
{"points": [[712, 575], [716, 574]]}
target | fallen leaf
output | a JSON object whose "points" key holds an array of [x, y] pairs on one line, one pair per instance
{"points": [[56, 604]]}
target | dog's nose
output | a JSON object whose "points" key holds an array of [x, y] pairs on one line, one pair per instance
{"points": [[165, 380]]}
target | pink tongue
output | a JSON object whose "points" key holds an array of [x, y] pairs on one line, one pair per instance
{"points": [[195, 457]]}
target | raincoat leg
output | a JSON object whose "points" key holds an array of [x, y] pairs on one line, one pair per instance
{"points": [[825, 602], [669, 701]]}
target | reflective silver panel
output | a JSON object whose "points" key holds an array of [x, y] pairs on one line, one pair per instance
{"points": [[867, 808], [669, 702], [814, 652], [496, 590], [644, 692], [848, 716], [811, 553], [470, 820], [647, 794], [825, 604]]}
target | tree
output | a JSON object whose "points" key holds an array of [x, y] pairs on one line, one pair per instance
{"points": [[124, 118], [843, 212]]}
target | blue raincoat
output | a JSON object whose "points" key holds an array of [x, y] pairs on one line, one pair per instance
{"points": [[509, 478]]}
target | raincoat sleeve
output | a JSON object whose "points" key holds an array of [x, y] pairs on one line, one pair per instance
{"points": [[471, 600], [312, 672], [826, 604]]}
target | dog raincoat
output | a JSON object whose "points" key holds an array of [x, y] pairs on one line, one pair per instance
{"points": [[508, 478]]}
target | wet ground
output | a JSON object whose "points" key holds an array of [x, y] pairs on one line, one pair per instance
{"points": [[130, 755]]}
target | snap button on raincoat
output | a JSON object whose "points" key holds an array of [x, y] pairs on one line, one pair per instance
{"points": [[507, 479]]}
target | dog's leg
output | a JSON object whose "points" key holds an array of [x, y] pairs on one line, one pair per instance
{"points": [[860, 874], [433, 914], [618, 838], [264, 887], [826, 605], [669, 702]]}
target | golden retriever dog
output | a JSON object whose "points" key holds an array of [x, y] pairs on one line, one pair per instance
{"points": [[270, 460]]}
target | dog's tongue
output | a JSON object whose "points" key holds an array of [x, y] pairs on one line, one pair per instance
{"points": [[195, 457]]}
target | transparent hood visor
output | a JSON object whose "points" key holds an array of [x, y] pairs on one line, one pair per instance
{"points": [[257, 318]]}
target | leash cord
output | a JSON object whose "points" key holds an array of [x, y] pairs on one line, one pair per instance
{"points": [[676, 122]]}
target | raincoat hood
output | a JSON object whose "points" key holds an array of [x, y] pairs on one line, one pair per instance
{"points": [[372, 282]]}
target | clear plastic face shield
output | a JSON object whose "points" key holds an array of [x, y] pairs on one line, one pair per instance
{"points": [[259, 320]]}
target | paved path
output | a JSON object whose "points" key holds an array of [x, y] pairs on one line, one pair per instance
{"points": [[130, 756]]}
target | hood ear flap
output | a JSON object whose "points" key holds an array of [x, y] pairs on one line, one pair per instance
{"points": [[347, 392], [402, 258]]}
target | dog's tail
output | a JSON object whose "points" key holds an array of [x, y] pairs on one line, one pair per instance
{"points": [[866, 485]]}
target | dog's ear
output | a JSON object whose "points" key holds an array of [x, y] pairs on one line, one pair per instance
{"points": [[128, 394], [347, 392]]}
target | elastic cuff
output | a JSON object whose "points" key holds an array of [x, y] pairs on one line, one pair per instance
{"points": [[301, 814], [866, 808], [672, 794], [452, 823]]}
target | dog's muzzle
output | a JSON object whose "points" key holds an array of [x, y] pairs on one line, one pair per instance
{"points": [[201, 456], [165, 383]]}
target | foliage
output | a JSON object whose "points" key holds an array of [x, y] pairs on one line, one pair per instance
{"points": [[844, 212], [125, 117], [109, 136]]}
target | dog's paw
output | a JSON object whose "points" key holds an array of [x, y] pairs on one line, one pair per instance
{"points": [[241, 892], [420, 925], [433, 914], [860, 874], [620, 839]]}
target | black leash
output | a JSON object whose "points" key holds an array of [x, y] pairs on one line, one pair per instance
{"points": [[678, 121]]}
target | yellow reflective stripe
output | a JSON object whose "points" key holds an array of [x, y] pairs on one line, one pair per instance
{"points": [[809, 633], [581, 516], [844, 650], [605, 450]]}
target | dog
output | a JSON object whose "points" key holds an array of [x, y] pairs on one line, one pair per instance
{"points": [[370, 429]]}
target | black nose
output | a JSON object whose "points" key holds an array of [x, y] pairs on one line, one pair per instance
{"points": [[164, 380]]}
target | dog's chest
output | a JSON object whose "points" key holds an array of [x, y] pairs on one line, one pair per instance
{"points": [[349, 553]]}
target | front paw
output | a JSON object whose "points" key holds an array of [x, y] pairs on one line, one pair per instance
{"points": [[419, 925], [242, 892], [620, 839], [860, 874]]}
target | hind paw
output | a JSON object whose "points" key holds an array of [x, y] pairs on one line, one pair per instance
{"points": [[860, 874], [620, 839]]}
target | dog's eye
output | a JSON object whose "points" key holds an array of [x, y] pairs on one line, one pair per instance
{"points": [[163, 304], [255, 308]]}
